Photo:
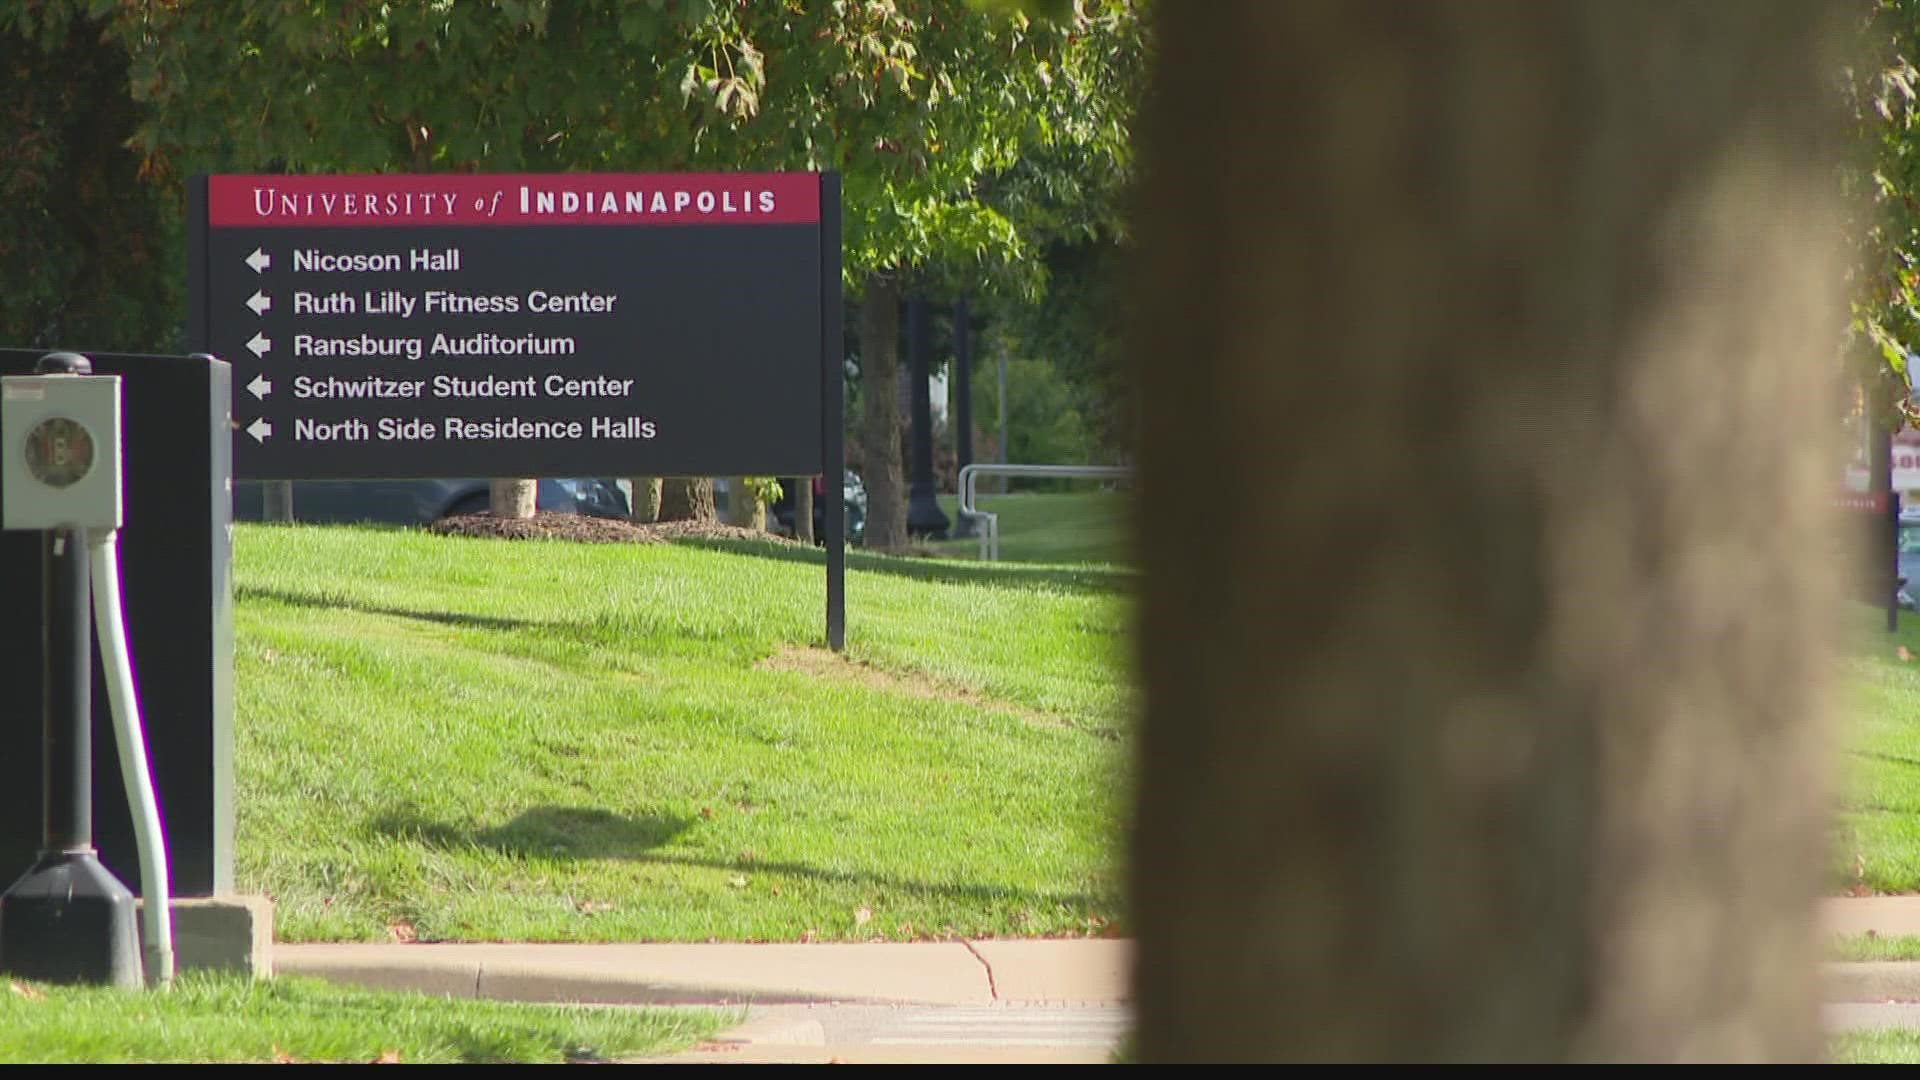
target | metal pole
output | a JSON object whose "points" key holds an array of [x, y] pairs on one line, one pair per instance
{"points": [[1003, 412], [833, 434], [961, 394], [1880, 483], [67, 789]]}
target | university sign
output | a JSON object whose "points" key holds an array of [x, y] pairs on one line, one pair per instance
{"points": [[396, 326], [538, 325]]}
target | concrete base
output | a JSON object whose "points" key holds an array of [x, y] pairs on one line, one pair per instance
{"points": [[221, 933]]}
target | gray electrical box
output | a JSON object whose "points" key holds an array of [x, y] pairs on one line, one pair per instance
{"points": [[60, 452]]}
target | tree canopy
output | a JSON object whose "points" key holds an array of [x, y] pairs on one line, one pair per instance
{"points": [[934, 111]]}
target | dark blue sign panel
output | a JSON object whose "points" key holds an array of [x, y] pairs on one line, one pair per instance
{"points": [[549, 325]]}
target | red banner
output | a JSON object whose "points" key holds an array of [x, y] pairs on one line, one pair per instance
{"points": [[514, 199]]}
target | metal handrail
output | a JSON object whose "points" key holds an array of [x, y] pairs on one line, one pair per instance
{"points": [[990, 539]]}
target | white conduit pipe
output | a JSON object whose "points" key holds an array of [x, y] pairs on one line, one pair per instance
{"points": [[130, 738]]}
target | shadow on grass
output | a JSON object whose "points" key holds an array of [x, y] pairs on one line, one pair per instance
{"points": [[947, 571], [1891, 759], [444, 618], [573, 832], [542, 832]]}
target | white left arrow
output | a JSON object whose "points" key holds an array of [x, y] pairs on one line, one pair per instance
{"points": [[260, 387], [259, 344], [259, 260], [259, 302], [260, 430]]}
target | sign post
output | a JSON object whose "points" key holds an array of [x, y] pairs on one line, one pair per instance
{"points": [[390, 326]]}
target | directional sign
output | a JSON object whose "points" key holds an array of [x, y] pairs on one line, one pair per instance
{"points": [[521, 325]]}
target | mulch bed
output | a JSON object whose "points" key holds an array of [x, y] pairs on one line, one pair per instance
{"points": [[594, 530]]}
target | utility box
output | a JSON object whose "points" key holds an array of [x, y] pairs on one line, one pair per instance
{"points": [[59, 452], [175, 566]]}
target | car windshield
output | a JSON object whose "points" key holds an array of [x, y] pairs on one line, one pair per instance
{"points": [[1909, 539]]}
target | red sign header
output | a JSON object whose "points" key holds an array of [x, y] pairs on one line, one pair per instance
{"points": [[1876, 501], [387, 199]]}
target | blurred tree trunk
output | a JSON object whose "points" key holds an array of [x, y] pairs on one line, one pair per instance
{"points": [[276, 498], [880, 389], [745, 507], [646, 498], [512, 498], [1491, 729], [687, 498], [803, 509]]}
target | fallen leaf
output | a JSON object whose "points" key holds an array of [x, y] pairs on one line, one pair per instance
{"points": [[808, 937], [403, 931], [593, 907], [25, 991], [284, 1058], [707, 812], [387, 1057], [1906, 654], [862, 916], [776, 890], [738, 881]]}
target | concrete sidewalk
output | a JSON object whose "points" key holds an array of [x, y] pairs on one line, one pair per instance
{"points": [[1085, 972], [1880, 916], [938, 973], [1880, 981]]}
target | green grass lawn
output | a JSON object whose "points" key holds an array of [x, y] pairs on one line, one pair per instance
{"points": [[458, 739], [1891, 1047], [1877, 843], [1087, 527], [207, 1018]]}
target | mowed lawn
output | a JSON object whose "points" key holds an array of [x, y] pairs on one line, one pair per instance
{"points": [[227, 1018], [1048, 527], [1877, 843], [460, 739]]}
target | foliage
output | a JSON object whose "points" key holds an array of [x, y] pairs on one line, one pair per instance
{"points": [[1046, 415], [917, 102], [88, 253], [1882, 94], [1076, 331]]}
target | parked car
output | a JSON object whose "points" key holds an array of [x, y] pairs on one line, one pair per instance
{"points": [[854, 491], [418, 502]]}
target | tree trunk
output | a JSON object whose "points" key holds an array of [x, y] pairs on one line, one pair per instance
{"points": [[803, 509], [880, 389], [512, 498], [745, 507], [646, 498], [687, 498], [277, 501], [1490, 729]]}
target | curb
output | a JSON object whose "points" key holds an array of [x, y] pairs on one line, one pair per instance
{"points": [[589, 976], [932, 974], [1855, 982], [472, 980]]}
